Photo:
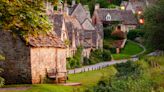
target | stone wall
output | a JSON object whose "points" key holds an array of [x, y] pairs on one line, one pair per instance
{"points": [[17, 56], [50, 59], [86, 52]]}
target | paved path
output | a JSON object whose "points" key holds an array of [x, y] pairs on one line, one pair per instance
{"points": [[14, 88], [95, 67]]}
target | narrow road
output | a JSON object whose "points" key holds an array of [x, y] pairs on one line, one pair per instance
{"points": [[105, 64], [96, 66]]}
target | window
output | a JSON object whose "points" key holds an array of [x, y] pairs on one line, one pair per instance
{"points": [[108, 17]]}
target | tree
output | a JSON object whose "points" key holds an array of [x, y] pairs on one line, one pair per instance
{"points": [[1, 79], [154, 23], [24, 17]]}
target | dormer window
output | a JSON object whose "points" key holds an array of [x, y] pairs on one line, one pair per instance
{"points": [[108, 17]]}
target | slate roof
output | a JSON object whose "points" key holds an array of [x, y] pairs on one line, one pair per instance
{"points": [[103, 12], [138, 5], [57, 22], [87, 25], [126, 17], [78, 12], [45, 40]]}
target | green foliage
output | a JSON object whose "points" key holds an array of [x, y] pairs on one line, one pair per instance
{"points": [[131, 48], [103, 3], [154, 22], [99, 55], [120, 56], [24, 17], [106, 55], [96, 56], [2, 57], [76, 60], [86, 61], [130, 77], [135, 33], [1, 79]]}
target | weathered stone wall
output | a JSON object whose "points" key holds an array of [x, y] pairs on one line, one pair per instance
{"points": [[61, 62], [49, 59], [86, 52], [17, 56], [127, 28]]}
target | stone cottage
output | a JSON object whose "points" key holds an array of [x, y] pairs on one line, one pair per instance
{"points": [[125, 18], [93, 38], [28, 60], [137, 6], [69, 30]]}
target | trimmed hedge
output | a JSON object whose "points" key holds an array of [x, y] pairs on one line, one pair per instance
{"points": [[135, 33]]}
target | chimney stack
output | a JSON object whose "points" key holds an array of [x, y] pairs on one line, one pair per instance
{"points": [[97, 6], [66, 10], [73, 2]]}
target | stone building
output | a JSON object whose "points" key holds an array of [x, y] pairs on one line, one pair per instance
{"points": [[106, 17], [69, 30], [28, 60], [93, 37], [137, 6]]}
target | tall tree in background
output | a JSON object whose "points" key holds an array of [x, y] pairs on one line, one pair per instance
{"points": [[24, 16], [154, 23]]}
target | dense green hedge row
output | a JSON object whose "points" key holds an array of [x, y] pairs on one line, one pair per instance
{"points": [[97, 56]]}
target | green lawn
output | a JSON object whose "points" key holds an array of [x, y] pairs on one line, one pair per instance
{"points": [[88, 79], [130, 49]]}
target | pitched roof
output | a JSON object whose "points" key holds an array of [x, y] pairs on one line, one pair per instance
{"points": [[57, 22], [125, 16], [45, 40], [128, 18], [103, 12], [87, 25], [72, 25], [78, 12]]}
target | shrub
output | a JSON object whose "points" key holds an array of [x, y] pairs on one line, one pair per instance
{"points": [[130, 77], [76, 60], [86, 61], [106, 55], [96, 56], [135, 33], [99, 56]]}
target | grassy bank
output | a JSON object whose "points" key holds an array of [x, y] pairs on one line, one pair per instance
{"points": [[88, 79], [129, 50]]}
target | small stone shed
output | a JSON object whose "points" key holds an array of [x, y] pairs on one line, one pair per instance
{"points": [[29, 61]]}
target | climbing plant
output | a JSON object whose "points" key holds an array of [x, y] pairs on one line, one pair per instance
{"points": [[24, 17]]}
